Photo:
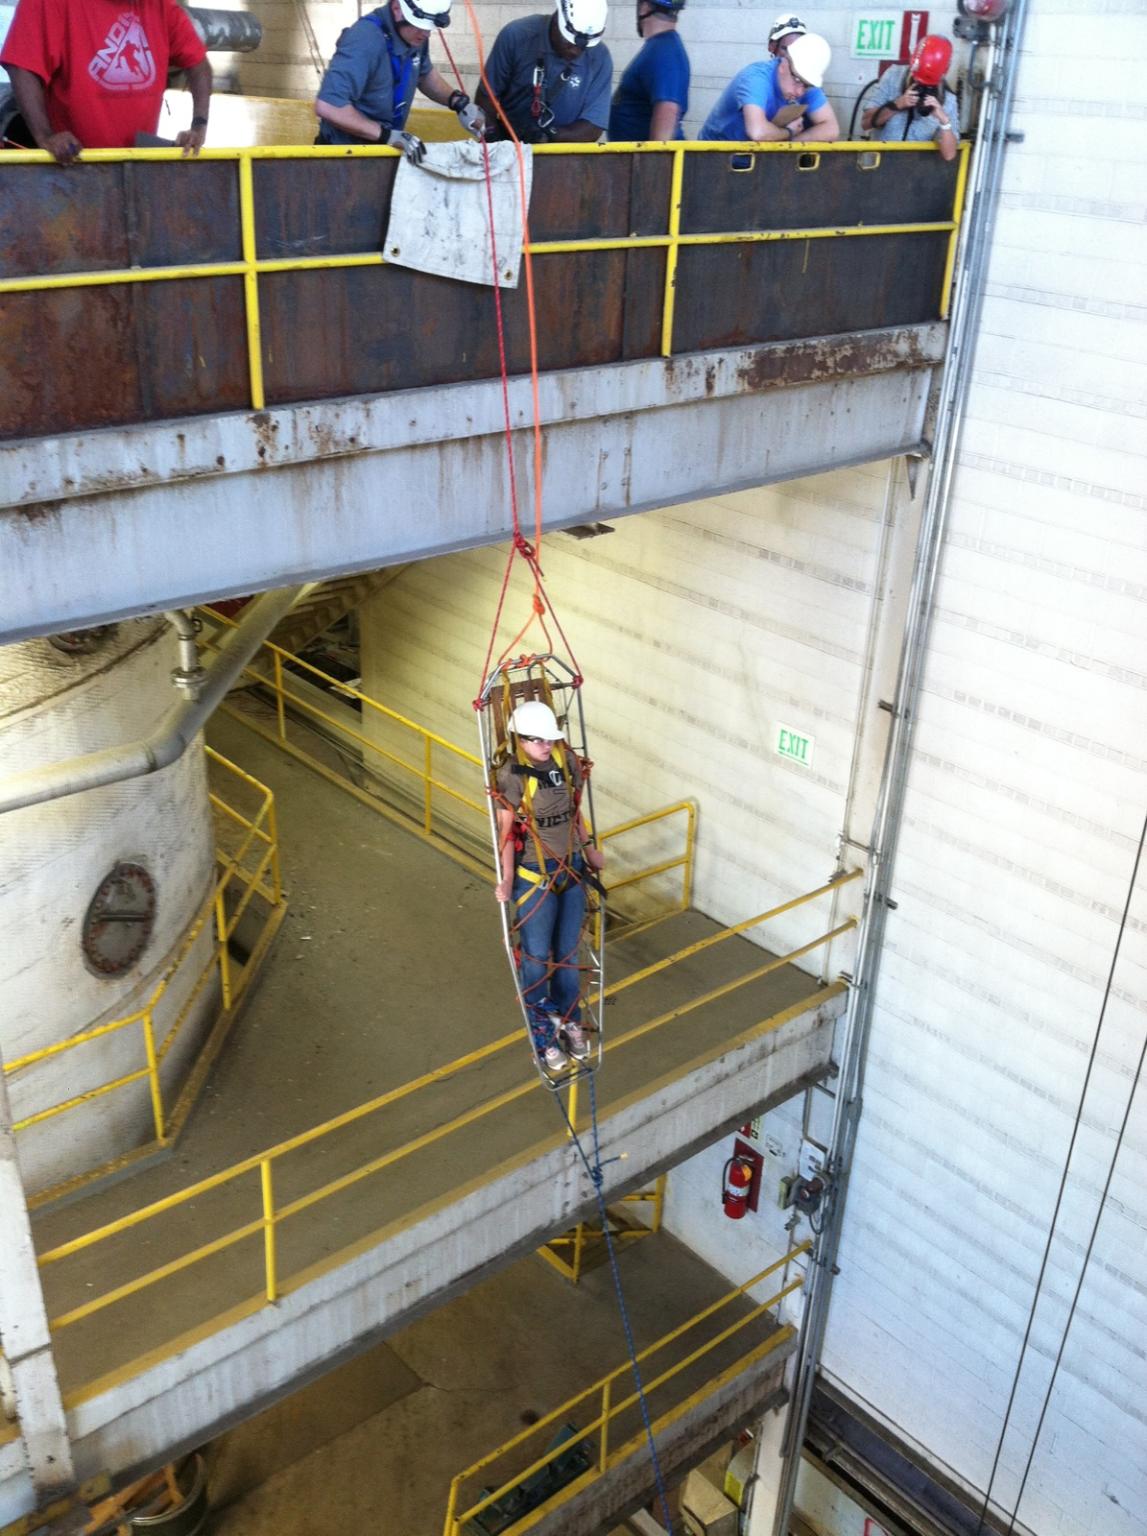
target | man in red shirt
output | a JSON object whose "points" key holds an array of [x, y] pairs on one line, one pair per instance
{"points": [[91, 73]]}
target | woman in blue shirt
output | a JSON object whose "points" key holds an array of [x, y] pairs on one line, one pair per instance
{"points": [[652, 96]]}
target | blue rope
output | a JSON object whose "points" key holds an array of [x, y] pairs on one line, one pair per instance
{"points": [[596, 1176]]}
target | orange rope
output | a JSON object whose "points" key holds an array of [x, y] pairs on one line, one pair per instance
{"points": [[541, 605]]}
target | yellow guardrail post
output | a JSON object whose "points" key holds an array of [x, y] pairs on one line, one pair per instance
{"points": [[427, 768], [273, 834], [221, 937], [690, 843], [954, 237], [658, 1203], [153, 1066], [606, 1396], [251, 279], [280, 702], [451, 1526], [267, 1183], [675, 184]]}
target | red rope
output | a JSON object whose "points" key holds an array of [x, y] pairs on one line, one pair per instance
{"points": [[541, 604]]}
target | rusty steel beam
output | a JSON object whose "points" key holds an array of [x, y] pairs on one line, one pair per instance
{"points": [[104, 525]]}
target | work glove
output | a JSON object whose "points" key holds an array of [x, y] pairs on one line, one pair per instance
{"points": [[410, 145], [472, 118]]}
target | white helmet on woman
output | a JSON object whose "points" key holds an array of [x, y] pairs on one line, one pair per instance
{"points": [[533, 718], [581, 22], [427, 14]]}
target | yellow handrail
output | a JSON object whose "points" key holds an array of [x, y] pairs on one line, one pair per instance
{"points": [[611, 1409], [270, 1217], [235, 877], [251, 266], [420, 765]]}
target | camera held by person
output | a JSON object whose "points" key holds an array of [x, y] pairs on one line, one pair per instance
{"points": [[917, 104]]}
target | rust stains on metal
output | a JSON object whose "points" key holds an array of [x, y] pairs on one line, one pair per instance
{"points": [[178, 347], [834, 357]]}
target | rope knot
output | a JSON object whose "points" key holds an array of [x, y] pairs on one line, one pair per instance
{"points": [[523, 545]]}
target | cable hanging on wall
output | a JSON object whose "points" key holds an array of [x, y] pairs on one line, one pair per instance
{"points": [[1055, 1218]]}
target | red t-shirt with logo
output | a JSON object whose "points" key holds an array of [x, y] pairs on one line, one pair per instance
{"points": [[104, 63]]}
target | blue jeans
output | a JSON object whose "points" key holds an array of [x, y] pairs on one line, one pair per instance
{"points": [[549, 924]]}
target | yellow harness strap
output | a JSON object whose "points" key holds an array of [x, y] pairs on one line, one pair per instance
{"points": [[539, 876]]}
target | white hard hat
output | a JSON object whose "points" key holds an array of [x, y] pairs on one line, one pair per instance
{"points": [[810, 56], [784, 26], [581, 22], [427, 14], [533, 718]]}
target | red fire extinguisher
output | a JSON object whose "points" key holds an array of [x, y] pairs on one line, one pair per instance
{"points": [[737, 1184]]}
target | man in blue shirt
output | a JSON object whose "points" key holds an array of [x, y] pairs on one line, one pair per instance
{"points": [[551, 76], [752, 101], [652, 96], [367, 91]]}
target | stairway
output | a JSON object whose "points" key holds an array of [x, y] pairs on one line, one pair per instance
{"points": [[328, 602]]}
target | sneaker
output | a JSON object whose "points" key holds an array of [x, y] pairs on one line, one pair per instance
{"points": [[555, 1059], [578, 1042]]}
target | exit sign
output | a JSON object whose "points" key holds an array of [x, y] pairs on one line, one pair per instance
{"points": [[794, 745], [876, 35]]}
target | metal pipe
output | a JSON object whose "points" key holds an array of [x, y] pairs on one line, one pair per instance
{"points": [[189, 676], [226, 31], [175, 731], [987, 166]]}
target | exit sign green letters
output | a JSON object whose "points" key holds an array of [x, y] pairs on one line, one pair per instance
{"points": [[876, 35], [794, 745]]}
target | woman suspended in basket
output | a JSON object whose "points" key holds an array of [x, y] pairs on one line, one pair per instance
{"points": [[545, 853]]}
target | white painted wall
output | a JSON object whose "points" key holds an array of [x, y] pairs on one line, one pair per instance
{"points": [[699, 629], [1026, 798], [53, 858]]}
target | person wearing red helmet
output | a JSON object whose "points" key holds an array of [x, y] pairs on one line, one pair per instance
{"points": [[917, 105]]}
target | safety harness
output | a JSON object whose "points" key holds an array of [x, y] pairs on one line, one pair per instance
{"points": [[524, 825], [401, 74], [540, 110]]}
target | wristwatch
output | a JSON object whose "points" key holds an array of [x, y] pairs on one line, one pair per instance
{"points": [[199, 122]]}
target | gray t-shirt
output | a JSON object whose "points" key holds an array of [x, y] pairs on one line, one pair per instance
{"points": [[375, 71], [920, 129], [571, 91], [551, 806]]}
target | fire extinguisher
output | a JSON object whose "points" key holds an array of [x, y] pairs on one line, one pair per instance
{"points": [[736, 1186]]}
